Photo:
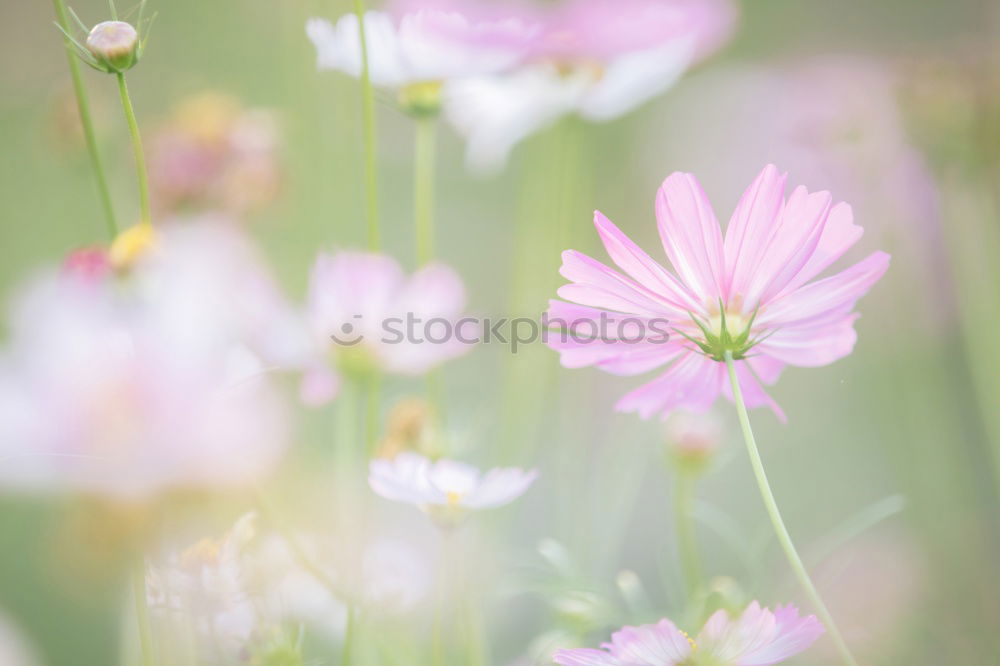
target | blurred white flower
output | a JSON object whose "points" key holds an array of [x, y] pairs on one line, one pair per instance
{"points": [[14, 647], [418, 47], [446, 488], [207, 585]]}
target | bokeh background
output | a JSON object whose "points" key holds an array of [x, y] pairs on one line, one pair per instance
{"points": [[889, 465]]}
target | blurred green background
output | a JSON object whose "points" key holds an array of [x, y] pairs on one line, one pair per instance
{"points": [[906, 429]]}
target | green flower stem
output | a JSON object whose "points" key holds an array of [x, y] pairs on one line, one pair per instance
{"points": [[350, 630], [784, 538], [372, 414], [368, 112], [145, 215], [687, 543], [142, 612], [83, 107], [423, 187]]}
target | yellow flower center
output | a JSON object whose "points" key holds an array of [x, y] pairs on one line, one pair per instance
{"points": [[130, 245], [453, 497]]}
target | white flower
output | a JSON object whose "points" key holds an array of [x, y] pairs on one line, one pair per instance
{"points": [[446, 484], [415, 50]]}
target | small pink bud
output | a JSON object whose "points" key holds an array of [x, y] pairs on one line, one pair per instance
{"points": [[115, 45], [88, 265]]}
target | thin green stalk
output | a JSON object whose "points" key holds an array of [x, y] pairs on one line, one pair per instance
{"points": [[423, 187], [86, 122], [368, 112], [372, 413], [145, 215], [687, 543], [350, 630], [142, 612], [784, 538]]}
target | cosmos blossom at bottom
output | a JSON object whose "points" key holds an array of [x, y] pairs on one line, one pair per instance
{"points": [[757, 637]]}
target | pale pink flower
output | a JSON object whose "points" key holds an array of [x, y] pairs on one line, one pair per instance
{"points": [[751, 293], [596, 58], [446, 485], [693, 436], [757, 638], [367, 313], [130, 389]]}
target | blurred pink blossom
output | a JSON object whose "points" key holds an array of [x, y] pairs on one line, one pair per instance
{"points": [[358, 307], [757, 638], [134, 388], [213, 155], [597, 58], [751, 293]]}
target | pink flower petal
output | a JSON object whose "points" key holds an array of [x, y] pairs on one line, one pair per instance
{"points": [[794, 635], [828, 297], [750, 227], [796, 237], [585, 657], [838, 236], [642, 268], [597, 285], [812, 346], [691, 383], [690, 234], [660, 644]]}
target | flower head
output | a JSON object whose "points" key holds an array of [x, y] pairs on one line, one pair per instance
{"points": [[596, 58], [115, 44], [366, 313], [446, 488], [416, 50], [757, 638], [138, 391], [750, 295]]}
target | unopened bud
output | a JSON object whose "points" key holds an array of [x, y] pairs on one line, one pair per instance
{"points": [[692, 439], [421, 99], [114, 44]]}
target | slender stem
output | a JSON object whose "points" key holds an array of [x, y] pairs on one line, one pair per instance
{"points": [[368, 112], [687, 543], [784, 538], [140, 161], [83, 107], [347, 654], [142, 612], [423, 188], [372, 413]]}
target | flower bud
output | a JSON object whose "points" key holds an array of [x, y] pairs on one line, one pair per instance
{"points": [[692, 439], [115, 45], [421, 99]]}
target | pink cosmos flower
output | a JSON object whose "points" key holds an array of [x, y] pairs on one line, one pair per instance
{"points": [[751, 294], [446, 486], [364, 312], [757, 638], [130, 389], [597, 58]]}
